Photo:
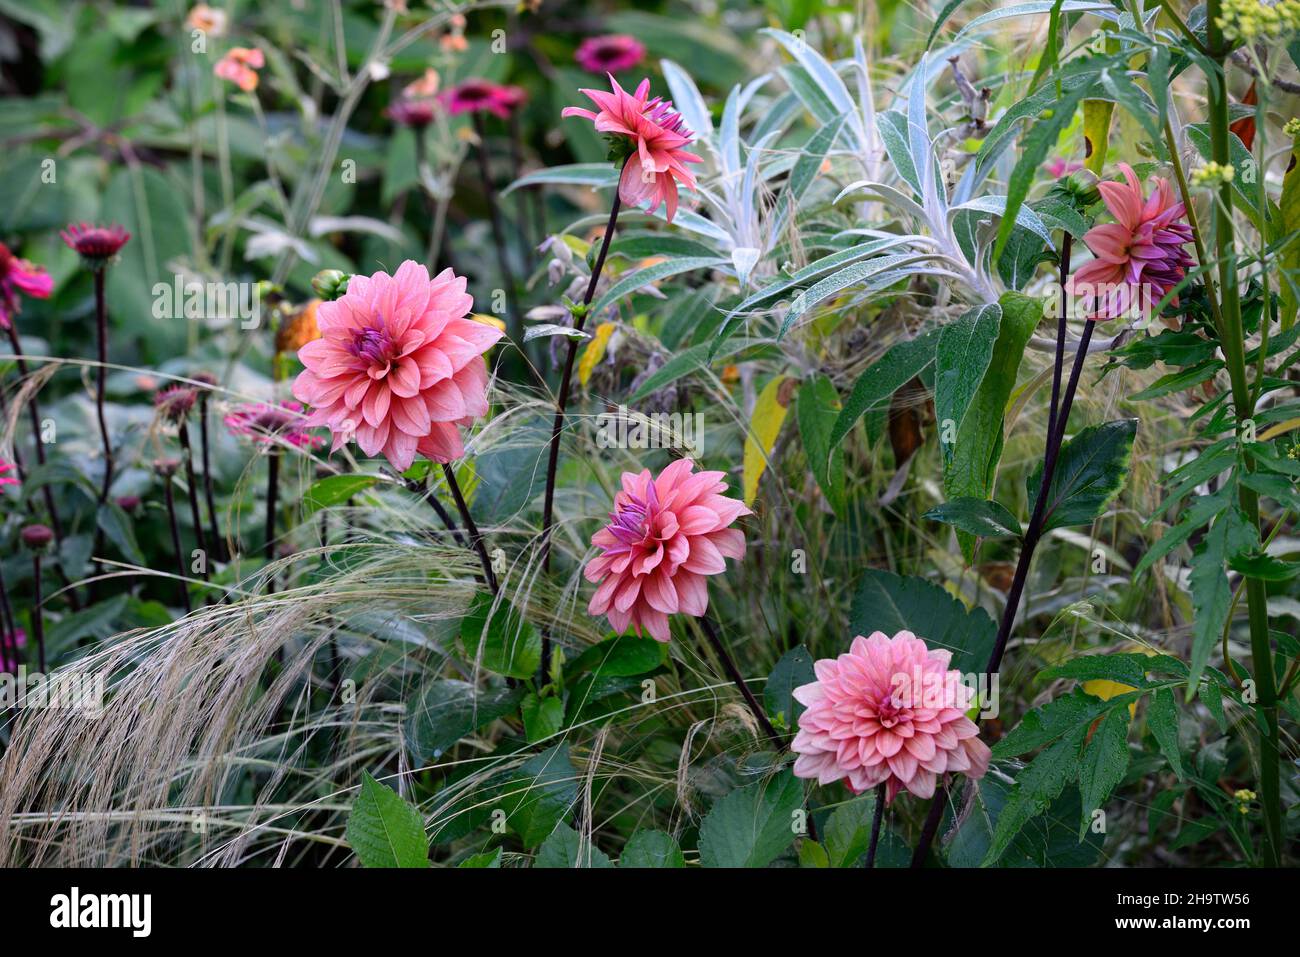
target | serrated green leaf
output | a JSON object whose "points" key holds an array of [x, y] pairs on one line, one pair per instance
{"points": [[962, 356], [563, 848], [794, 669], [976, 517], [1036, 787], [1090, 472], [384, 830], [817, 406], [1162, 719], [334, 490], [883, 378], [648, 848], [1105, 759], [752, 825]]}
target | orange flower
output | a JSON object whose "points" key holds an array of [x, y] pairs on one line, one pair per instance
{"points": [[204, 18], [298, 328], [240, 67]]}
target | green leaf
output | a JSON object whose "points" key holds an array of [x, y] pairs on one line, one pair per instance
{"points": [[621, 656], [384, 830], [752, 825], [794, 669], [117, 526], [508, 644], [1090, 472], [1105, 759], [448, 710], [1162, 719], [1062, 716], [334, 490], [488, 859], [651, 849], [564, 849], [543, 717], [883, 378], [684, 363], [973, 464], [964, 351], [889, 603], [1036, 787], [847, 833], [976, 517], [812, 854], [539, 794], [641, 277], [1211, 591], [817, 406], [1048, 840], [1125, 669], [595, 175]]}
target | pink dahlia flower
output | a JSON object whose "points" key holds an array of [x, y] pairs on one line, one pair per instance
{"points": [[6, 479], [20, 276], [1140, 256], [888, 711], [665, 535], [657, 135], [610, 54], [473, 96], [398, 366], [268, 423], [1061, 167]]}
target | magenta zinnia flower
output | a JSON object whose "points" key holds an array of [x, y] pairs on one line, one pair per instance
{"points": [[665, 535], [411, 112], [269, 423], [888, 711], [610, 54], [7, 479], [95, 244], [473, 96], [656, 159], [20, 276], [1140, 256], [398, 365]]}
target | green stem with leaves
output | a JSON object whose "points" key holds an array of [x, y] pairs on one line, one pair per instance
{"points": [[1232, 338]]}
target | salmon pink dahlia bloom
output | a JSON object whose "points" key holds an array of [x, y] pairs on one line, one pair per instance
{"points": [[656, 159], [890, 711], [398, 366], [1140, 256], [18, 276], [665, 536]]}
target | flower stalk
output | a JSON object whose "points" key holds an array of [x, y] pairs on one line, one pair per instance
{"points": [[729, 665]]}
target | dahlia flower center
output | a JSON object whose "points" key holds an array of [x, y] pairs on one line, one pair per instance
{"points": [[660, 112], [889, 712], [376, 347], [631, 524]]}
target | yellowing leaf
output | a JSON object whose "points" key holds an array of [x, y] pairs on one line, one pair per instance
{"points": [[1106, 689], [769, 412], [594, 351], [488, 320], [1096, 132]]}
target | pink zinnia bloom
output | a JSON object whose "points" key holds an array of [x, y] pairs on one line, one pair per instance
{"points": [[511, 97], [665, 535], [240, 67], [1140, 256], [7, 479], [657, 160], [398, 365], [888, 711], [20, 276], [271, 424], [473, 96], [610, 54], [410, 112]]}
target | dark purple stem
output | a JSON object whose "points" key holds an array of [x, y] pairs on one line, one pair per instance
{"points": [[475, 538], [711, 632], [194, 496], [272, 503], [876, 818], [38, 613], [213, 533], [176, 541]]}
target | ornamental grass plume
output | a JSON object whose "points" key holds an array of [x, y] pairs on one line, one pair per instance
{"points": [[655, 137], [614, 53], [888, 712], [1140, 256], [398, 366], [665, 535]]}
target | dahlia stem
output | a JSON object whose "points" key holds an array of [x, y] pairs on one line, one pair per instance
{"points": [[561, 403], [101, 324], [728, 665], [272, 497], [214, 535], [426, 492], [498, 232], [176, 541], [475, 538], [1057, 423], [7, 621], [38, 613], [1060, 336], [194, 495], [1232, 340], [876, 818]]}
